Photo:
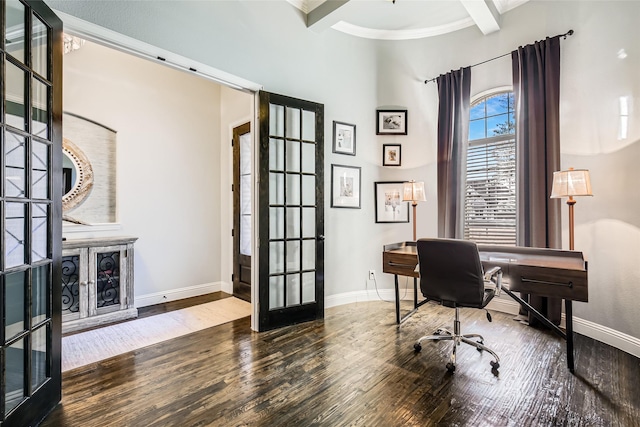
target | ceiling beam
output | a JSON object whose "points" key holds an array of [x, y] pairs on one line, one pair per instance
{"points": [[326, 15], [484, 13]]}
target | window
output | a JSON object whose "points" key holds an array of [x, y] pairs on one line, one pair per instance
{"points": [[490, 200]]}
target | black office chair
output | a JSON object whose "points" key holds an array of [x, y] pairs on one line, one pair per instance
{"points": [[451, 273]]}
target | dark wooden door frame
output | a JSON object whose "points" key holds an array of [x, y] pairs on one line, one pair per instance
{"points": [[242, 273]]}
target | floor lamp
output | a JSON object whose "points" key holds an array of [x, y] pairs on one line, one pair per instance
{"points": [[569, 183], [414, 193]]}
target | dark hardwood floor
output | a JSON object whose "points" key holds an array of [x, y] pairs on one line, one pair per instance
{"points": [[356, 368]]}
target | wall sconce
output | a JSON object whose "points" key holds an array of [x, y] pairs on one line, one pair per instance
{"points": [[414, 193]]}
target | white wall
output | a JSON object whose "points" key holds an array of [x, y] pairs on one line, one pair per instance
{"points": [[168, 157], [268, 42]]}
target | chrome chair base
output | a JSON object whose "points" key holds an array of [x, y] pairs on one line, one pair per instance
{"points": [[443, 334]]}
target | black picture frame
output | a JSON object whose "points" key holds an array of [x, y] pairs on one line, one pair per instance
{"points": [[344, 138], [391, 155], [388, 202], [345, 186], [391, 122]]}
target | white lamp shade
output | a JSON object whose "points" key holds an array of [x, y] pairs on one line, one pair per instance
{"points": [[414, 192], [572, 182]]}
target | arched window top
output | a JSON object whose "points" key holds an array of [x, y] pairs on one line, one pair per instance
{"points": [[492, 115]]}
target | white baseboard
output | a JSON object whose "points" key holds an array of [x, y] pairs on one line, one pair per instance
{"points": [[176, 294], [609, 336]]}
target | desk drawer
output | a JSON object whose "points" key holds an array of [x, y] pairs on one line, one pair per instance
{"points": [[398, 263], [550, 282]]}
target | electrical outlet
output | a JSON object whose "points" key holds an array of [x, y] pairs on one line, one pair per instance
{"points": [[372, 274]]}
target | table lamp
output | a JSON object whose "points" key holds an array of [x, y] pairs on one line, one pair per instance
{"points": [[414, 193], [569, 183]]}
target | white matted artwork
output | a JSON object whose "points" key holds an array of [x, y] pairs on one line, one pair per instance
{"points": [[391, 122], [389, 204], [345, 186], [97, 145], [344, 138]]}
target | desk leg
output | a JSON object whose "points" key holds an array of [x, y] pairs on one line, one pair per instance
{"points": [[397, 299], [568, 311]]}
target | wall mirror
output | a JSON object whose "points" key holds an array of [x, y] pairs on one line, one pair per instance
{"points": [[77, 176]]}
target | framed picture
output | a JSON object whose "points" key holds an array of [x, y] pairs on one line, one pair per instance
{"points": [[391, 155], [391, 122], [389, 204], [344, 138], [345, 186]]}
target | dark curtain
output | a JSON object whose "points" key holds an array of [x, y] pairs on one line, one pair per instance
{"points": [[536, 84], [454, 90]]}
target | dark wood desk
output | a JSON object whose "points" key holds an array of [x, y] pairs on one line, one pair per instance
{"points": [[545, 272]]}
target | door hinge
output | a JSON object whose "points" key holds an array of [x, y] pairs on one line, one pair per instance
{"points": [[233, 277], [232, 142], [232, 233], [232, 188]]}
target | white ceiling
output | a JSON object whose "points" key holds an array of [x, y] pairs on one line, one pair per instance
{"points": [[404, 19]]}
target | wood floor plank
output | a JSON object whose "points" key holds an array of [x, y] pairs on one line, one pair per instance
{"points": [[356, 368]]}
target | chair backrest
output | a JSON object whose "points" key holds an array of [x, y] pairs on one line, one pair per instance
{"points": [[451, 272]]}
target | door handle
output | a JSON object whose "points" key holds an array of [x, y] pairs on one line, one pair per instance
{"points": [[321, 237]]}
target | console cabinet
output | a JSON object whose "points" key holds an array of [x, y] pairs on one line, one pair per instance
{"points": [[97, 282]]}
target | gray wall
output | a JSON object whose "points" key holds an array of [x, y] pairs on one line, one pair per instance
{"points": [[267, 42]]}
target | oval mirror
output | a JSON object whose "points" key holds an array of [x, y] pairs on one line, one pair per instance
{"points": [[77, 176]]}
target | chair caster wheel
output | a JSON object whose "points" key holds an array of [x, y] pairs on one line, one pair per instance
{"points": [[417, 347], [478, 348], [438, 332], [451, 367], [494, 365]]}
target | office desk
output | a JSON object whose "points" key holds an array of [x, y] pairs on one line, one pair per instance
{"points": [[545, 272]]}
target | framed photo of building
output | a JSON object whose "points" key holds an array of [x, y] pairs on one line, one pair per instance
{"points": [[391, 122], [389, 204], [391, 155], [345, 186], [344, 138]]}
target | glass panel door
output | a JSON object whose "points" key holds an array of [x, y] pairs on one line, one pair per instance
{"points": [[30, 211], [291, 211]]}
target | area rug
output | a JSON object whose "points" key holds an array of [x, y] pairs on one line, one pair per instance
{"points": [[99, 344]]}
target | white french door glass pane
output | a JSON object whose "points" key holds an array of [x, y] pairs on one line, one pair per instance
{"points": [[39, 231], [293, 289], [308, 287], [276, 223], [14, 235], [276, 292], [39, 47], [39, 307], [293, 223], [16, 110], [38, 357], [276, 188], [309, 222], [293, 123], [14, 371], [293, 255], [293, 189], [245, 154], [245, 195], [308, 125], [39, 170], [15, 165], [276, 257], [293, 156], [308, 157], [40, 109], [308, 254], [308, 190], [276, 120], [245, 235], [15, 33], [14, 304], [276, 154]]}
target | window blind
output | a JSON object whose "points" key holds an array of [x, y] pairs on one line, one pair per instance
{"points": [[490, 202]]}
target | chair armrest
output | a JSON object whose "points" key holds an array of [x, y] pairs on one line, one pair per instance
{"points": [[494, 276]]}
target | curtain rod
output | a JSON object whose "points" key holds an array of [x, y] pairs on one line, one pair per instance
{"points": [[565, 35]]}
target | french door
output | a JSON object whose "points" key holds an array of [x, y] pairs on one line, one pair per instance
{"points": [[242, 166], [290, 205], [30, 211]]}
